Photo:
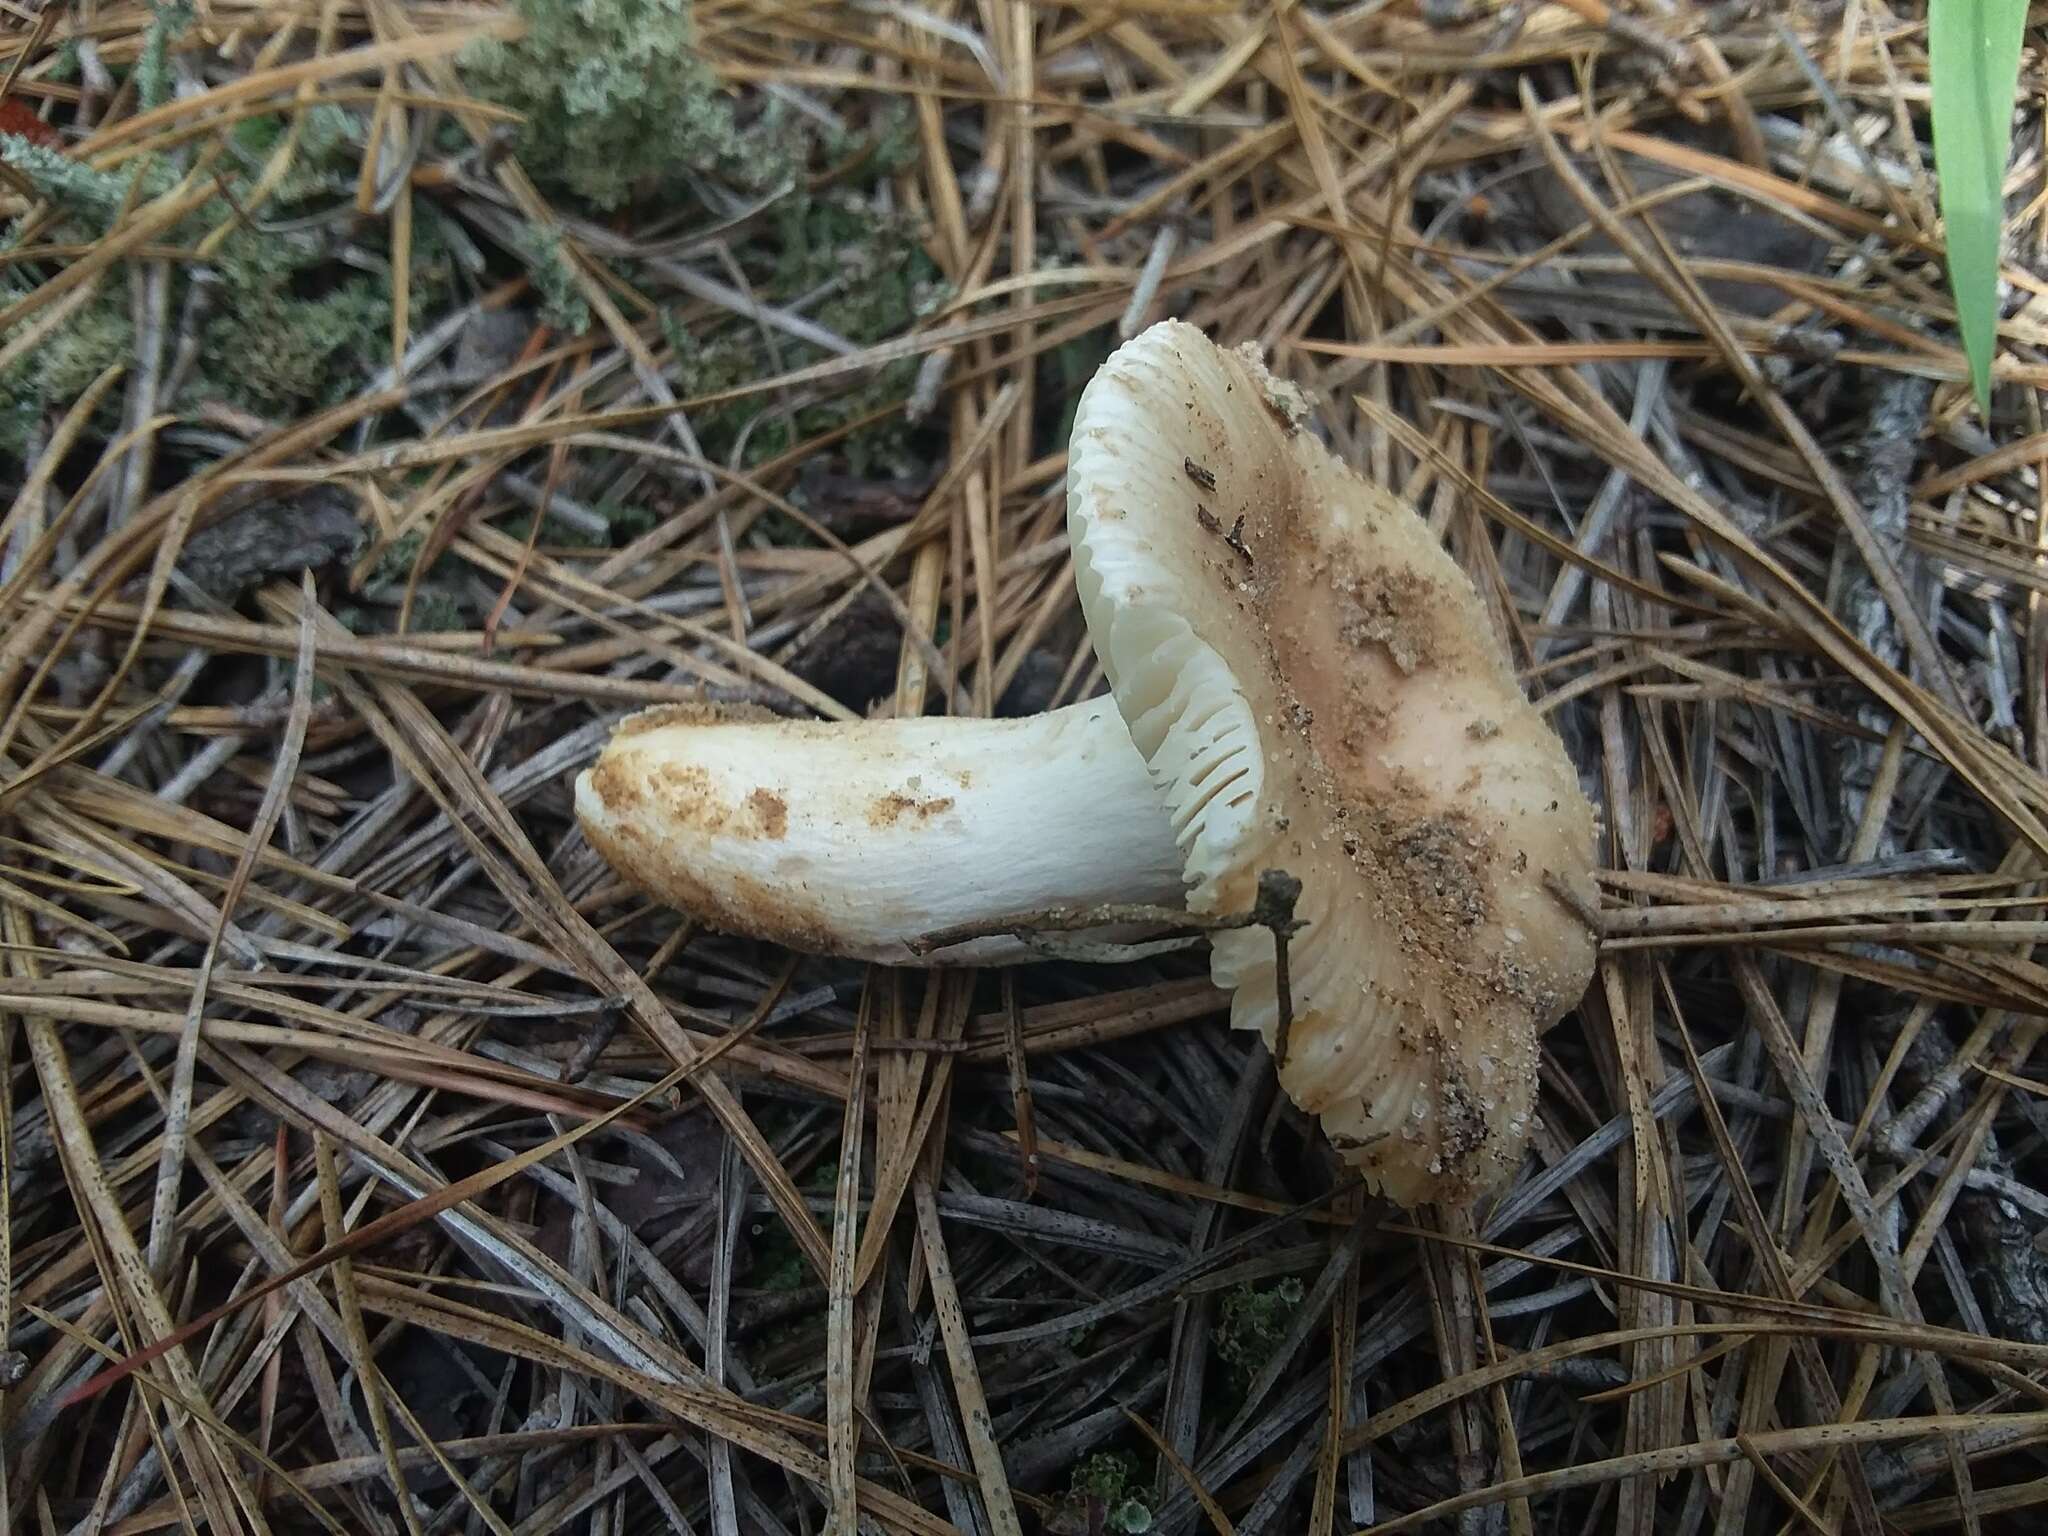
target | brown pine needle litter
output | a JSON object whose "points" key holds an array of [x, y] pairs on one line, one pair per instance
{"points": [[392, 396]]}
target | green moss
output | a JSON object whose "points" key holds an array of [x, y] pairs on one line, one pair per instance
{"points": [[1110, 1478], [435, 611], [96, 337], [1252, 1324], [616, 101], [561, 297], [886, 284], [624, 522], [440, 252], [704, 367], [394, 566], [327, 136], [257, 135], [888, 148], [19, 413], [882, 283], [436, 605], [273, 350], [778, 1262], [325, 159], [288, 328], [1105, 1475], [627, 520], [49, 377], [616, 104], [614, 96], [553, 531], [840, 256]]}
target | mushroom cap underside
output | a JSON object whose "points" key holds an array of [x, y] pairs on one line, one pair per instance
{"points": [[1316, 687]]}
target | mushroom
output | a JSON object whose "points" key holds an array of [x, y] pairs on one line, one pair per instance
{"points": [[1301, 679]]}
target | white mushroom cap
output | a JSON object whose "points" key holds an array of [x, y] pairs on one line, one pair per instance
{"points": [[1315, 688]]}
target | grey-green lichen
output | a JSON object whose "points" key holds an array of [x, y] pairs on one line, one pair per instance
{"points": [[89, 197], [854, 269], [92, 338], [615, 102], [624, 522], [65, 63], [167, 24], [1253, 1322], [324, 159], [436, 611], [617, 106], [287, 328], [1107, 1481], [614, 96], [270, 349], [562, 304]]}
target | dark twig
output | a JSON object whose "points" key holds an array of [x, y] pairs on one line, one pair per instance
{"points": [[1274, 910], [1278, 892], [1020, 1087]]}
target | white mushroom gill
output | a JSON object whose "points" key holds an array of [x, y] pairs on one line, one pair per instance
{"points": [[859, 838]]}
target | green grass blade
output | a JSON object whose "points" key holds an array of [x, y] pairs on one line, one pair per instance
{"points": [[1973, 51]]}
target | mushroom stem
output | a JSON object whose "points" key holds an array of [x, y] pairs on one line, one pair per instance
{"points": [[860, 838]]}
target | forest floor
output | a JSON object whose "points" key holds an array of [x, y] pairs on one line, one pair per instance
{"points": [[392, 396]]}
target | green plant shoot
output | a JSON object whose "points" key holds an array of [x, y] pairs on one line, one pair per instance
{"points": [[1973, 49]]}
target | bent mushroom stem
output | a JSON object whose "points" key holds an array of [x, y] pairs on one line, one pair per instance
{"points": [[864, 838]]}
